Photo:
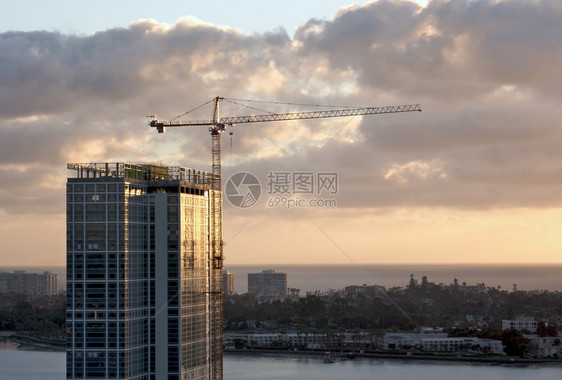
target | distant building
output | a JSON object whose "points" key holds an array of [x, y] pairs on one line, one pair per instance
{"points": [[437, 342], [34, 284], [545, 346], [268, 284], [301, 340], [293, 294], [520, 323], [373, 290], [227, 282], [397, 341], [367, 340], [469, 344]]}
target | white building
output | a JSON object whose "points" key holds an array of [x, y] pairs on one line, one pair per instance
{"points": [[296, 340], [520, 323], [545, 347], [441, 343], [398, 341], [468, 344]]}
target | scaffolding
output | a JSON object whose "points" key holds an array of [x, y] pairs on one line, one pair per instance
{"points": [[217, 263], [141, 172]]}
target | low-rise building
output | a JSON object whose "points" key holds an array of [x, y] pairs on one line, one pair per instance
{"points": [[520, 323], [313, 341], [367, 341], [544, 346], [404, 341], [458, 344], [440, 342]]}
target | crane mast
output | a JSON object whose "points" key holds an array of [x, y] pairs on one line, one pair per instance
{"points": [[217, 126], [216, 129]]}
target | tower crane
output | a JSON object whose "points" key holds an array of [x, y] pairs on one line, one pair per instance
{"points": [[217, 125]]}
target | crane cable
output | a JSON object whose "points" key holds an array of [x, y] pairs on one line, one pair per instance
{"points": [[287, 104], [194, 109], [237, 102]]}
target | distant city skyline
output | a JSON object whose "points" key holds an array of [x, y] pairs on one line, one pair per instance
{"points": [[474, 178], [324, 277]]}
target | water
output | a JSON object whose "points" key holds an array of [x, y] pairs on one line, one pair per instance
{"points": [[282, 367], [36, 363], [23, 362]]}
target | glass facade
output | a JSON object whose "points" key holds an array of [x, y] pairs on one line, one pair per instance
{"points": [[138, 273]]}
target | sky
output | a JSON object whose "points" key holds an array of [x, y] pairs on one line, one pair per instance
{"points": [[474, 178]]}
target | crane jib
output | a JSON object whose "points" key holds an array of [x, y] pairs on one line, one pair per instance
{"points": [[292, 116]]}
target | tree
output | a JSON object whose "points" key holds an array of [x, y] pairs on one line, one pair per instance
{"points": [[413, 282], [515, 343], [541, 329]]}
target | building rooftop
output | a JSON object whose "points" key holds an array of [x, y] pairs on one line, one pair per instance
{"points": [[139, 171]]}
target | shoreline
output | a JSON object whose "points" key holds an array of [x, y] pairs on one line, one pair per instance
{"points": [[489, 360], [392, 356]]}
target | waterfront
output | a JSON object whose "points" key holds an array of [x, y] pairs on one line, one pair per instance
{"points": [[26, 362]]}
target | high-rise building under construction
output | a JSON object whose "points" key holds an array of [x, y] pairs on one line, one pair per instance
{"points": [[144, 280]]}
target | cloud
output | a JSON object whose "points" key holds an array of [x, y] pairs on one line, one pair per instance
{"points": [[485, 72], [403, 173]]}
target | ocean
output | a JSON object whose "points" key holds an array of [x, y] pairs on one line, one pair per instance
{"points": [[311, 278]]}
